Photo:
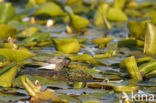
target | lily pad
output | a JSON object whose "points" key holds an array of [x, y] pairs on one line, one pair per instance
{"points": [[7, 12], [78, 22], [130, 64], [7, 75], [67, 45], [7, 31], [29, 31], [51, 9], [150, 40], [83, 57], [119, 4], [16, 55], [100, 14], [137, 29], [116, 15]]}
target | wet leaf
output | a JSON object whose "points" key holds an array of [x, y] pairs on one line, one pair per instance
{"points": [[7, 12], [70, 2], [119, 4], [152, 74], [16, 55], [29, 31], [130, 43], [51, 9], [108, 54], [7, 31], [137, 29], [132, 13], [7, 75], [83, 57], [100, 14], [151, 14], [126, 88], [79, 85], [150, 40], [37, 96], [36, 38], [116, 15], [130, 64], [78, 22], [147, 67], [102, 41], [79, 8], [67, 45], [91, 102]]}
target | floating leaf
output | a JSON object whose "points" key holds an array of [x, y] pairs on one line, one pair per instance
{"points": [[10, 46], [147, 67], [16, 55], [51, 9], [78, 22], [152, 74], [67, 45], [100, 14], [7, 75], [144, 60], [150, 40], [79, 85], [151, 14], [126, 88], [137, 29], [79, 8], [119, 4], [91, 102], [130, 43], [7, 12], [32, 3], [36, 38], [102, 41], [108, 54], [83, 57], [116, 15], [37, 96], [7, 31], [132, 13], [29, 86], [29, 31], [130, 64], [70, 2]]}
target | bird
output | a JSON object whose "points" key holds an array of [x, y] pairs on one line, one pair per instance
{"points": [[56, 63]]}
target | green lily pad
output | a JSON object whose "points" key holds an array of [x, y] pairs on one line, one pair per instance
{"points": [[150, 40], [51, 9], [137, 29], [102, 41], [116, 15], [83, 57], [34, 39], [16, 55], [151, 14], [67, 45], [7, 75], [78, 22], [7, 31], [29, 31], [7, 12], [70, 2], [130, 43], [119, 4], [100, 14], [32, 3], [131, 66]]}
